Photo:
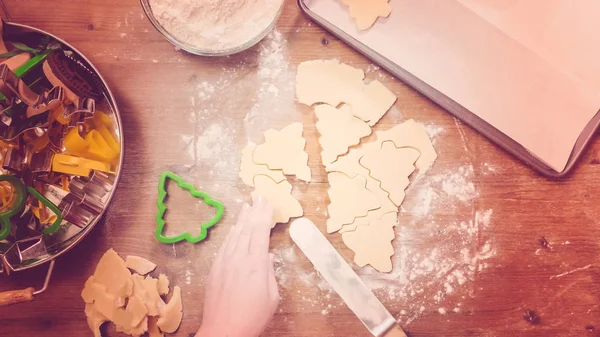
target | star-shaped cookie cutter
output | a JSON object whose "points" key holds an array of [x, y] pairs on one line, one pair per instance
{"points": [[162, 209]]}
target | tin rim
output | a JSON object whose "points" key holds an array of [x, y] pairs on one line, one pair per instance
{"points": [[71, 242]]}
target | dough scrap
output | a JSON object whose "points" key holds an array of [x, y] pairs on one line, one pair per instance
{"points": [[94, 319], [139, 264], [137, 308], [123, 320], [339, 130], [366, 12], [373, 244], [141, 295], [137, 330], [349, 199], [91, 290], [391, 166], [372, 102], [284, 150], [163, 284], [280, 195], [171, 315], [139, 290], [326, 81], [249, 169], [140, 329], [114, 275], [106, 304], [153, 301]]}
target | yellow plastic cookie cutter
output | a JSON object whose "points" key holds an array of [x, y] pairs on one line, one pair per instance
{"points": [[78, 166], [94, 146]]}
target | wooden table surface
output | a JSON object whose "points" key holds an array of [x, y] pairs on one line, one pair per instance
{"points": [[485, 246]]}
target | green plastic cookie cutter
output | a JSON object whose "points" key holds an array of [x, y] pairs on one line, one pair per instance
{"points": [[20, 196], [162, 209], [56, 224]]}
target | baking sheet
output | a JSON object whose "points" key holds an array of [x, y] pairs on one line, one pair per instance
{"points": [[528, 81]]}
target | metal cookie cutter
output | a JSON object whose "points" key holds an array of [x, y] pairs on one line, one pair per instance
{"points": [[162, 209], [14, 88], [87, 198]]}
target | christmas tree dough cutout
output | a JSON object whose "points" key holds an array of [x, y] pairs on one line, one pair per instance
{"points": [[372, 102], [280, 195], [349, 199], [249, 169], [373, 244], [162, 209], [411, 134], [350, 166], [366, 12], [391, 166], [326, 81], [339, 130], [284, 150], [387, 206]]}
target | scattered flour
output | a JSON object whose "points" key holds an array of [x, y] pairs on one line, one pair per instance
{"points": [[433, 131], [276, 83], [188, 276], [437, 260], [488, 168], [440, 277], [205, 90], [458, 183], [217, 143], [371, 68], [319, 295]]}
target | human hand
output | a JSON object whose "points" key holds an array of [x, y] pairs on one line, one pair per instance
{"points": [[241, 293]]}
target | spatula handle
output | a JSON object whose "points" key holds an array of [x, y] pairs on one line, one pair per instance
{"points": [[16, 296], [396, 331]]}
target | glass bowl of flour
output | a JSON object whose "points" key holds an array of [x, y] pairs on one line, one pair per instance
{"points": [[213, 27]]}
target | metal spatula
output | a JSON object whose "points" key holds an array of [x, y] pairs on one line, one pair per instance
{"points": [[344, 280]]}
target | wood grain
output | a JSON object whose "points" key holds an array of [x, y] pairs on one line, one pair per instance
{"points": [[525, 285]]}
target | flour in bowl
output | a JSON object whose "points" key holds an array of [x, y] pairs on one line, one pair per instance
{"points": [[215, 25]]}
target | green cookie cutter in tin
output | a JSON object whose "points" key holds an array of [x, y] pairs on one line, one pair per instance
{"points": [[56, 224], [162, 209], [19, 204]]}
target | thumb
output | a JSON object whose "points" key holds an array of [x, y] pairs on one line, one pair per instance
{"points": [[273, 288]]}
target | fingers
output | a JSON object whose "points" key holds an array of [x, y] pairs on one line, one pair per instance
{"points": [[273, 289], [256, 230], [228, 244], [232, 238], [221, 252], [263, 222]]}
